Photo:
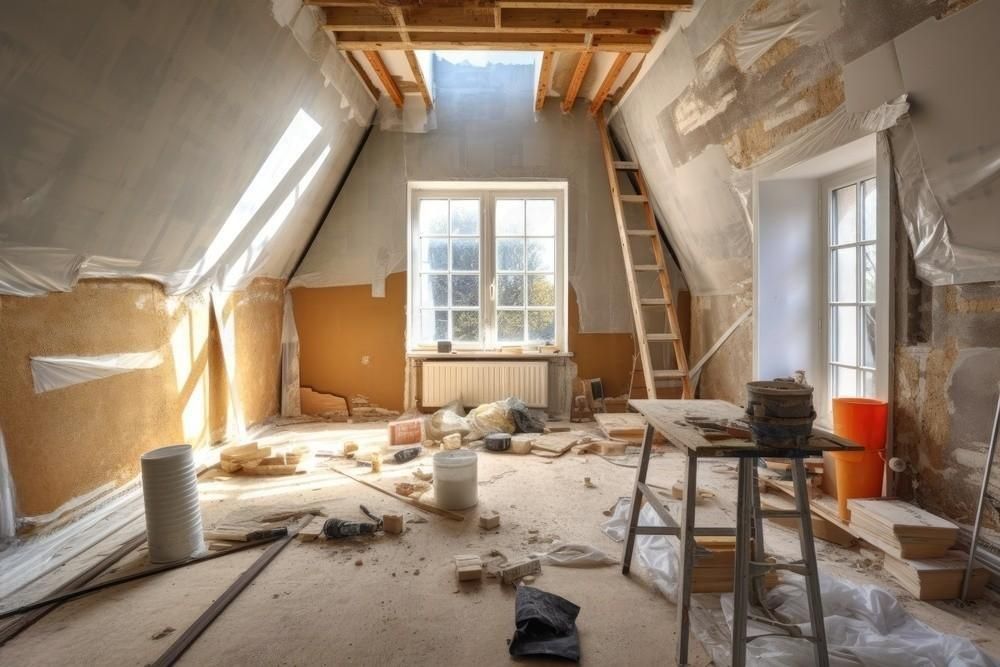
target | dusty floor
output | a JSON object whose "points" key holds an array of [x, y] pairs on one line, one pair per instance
{"points": [[402, 605]]}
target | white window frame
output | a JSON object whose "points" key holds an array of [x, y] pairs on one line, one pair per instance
{"points": [[487, 192], [883, 320]]}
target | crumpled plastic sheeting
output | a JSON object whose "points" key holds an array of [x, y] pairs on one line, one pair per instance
{"points": [[51, 373], [291, 405], [806, 22], [865, 625], [33, 271], [937, 260], [8, 513], [354, 95], [575, 555]]}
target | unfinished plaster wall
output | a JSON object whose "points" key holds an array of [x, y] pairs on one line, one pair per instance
{"points": [[487, 130], [352, 343], [67, 442], [733, 86]]}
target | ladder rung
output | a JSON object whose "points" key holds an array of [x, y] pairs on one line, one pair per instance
{"points": [[652, 302], [635, 199], [640, 232], [646, 267], [624, 165], [663, 338], [669, 374], [780, 514]]}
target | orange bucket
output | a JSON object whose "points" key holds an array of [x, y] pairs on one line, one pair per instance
{"points": [[859, 474]]}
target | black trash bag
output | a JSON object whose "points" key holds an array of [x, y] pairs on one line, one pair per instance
{"points": [[544, 626], [525, 419]]}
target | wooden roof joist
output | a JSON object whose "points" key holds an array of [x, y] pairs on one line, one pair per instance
{"points": [[452, 20], [393, 41]]}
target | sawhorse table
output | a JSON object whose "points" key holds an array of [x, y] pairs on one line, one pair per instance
{"points": [[677, 421]]}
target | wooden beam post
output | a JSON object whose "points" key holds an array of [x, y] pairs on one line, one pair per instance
{"points": [[543, 80], [418, 75], [609, 80], [363, 75], [391, 89], [574, 85]]}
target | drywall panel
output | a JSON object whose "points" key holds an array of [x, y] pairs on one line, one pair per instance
{"points": [[487, 130], [190, 142], [788, 291], [873, 79]]}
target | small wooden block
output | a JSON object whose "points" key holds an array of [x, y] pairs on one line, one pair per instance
{"points": [[469, 567], [312, 530], [392, 524], [489, 520], [514, 570]]}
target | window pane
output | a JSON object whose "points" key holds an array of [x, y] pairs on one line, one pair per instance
{"points": [[868, 336], [465, 325], [868, 265], [845, 262], [433, 290], [510, 325], [510, 217], [845, 381], [465, 254], [541, 217], [541, 325], [542, 290], [465, 217], [465, 290], [510, 290], [868, 378], [541, 254], [868, 193], [845, 334], [433, 217], [845, 224], [434, 324], [433, 254], [510, 254]]}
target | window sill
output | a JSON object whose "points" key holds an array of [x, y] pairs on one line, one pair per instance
{"points": [[475, 354]]}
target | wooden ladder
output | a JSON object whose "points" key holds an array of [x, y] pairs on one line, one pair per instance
{"points": [[641, 304]]}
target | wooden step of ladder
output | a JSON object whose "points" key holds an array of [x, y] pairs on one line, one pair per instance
{"points": [[641, 304]]}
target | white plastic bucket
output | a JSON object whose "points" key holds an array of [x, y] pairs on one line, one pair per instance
{"points": [[173, 511], [456, 479]]}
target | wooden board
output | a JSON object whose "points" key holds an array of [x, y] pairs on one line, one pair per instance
{"points": [[903, 518], [937, 578], [558, 443], [820, 505], [822, 528], [669, 418], [627, 426]]}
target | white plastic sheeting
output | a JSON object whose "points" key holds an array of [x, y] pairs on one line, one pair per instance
{"points": [[290, 382], [51, 373], [805, 21], [8, 512], [865, 625], [159, 155]]}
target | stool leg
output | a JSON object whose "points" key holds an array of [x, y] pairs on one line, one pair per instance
{"points": [[686, 560], [640, 476], [809, 558], [741, 575], [757, 585]]}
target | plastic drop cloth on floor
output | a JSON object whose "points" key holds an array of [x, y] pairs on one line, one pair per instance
{"points": [[865, 625]]}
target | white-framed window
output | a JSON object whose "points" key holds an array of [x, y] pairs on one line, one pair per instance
{"points": [[487, 264], [852, 311]]}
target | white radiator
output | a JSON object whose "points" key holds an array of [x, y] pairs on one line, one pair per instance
{"points": [[477, 382]]}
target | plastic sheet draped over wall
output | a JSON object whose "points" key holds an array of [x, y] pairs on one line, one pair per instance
{"points": [[290, 380], [51, 373], [156, 154], [804, 21], [8, 511]]}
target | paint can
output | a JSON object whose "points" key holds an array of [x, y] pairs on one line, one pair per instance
{"points": [[780, 413], [173, 509], [456, 479], [497, 442]]}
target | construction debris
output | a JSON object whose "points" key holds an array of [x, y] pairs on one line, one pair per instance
{"points": [[511, 572], [392, 524], [468, 567], [363, 410], [327, 406], [250, 459], [489, 520], [406, 432], [312, 530]]}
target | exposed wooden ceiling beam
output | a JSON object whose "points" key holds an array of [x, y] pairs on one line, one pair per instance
{"points": [[418, 75], [609, 80], [620, 93], [544, 76], [383, 74], [574, 85], [391, 41], [363, 75], [351, 19]]}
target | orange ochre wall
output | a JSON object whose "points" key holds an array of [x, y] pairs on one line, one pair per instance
{"points": [[353, 343]]}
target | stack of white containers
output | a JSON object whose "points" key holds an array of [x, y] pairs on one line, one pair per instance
{"points": [[173, 513]]}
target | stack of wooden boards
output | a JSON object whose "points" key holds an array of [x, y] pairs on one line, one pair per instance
{"points": [[918, 548], [714, 563], [250, 459]]}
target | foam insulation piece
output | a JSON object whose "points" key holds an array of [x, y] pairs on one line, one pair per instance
{"points": [[803, 22], [51, 373], [290, 379], [8, 511]]}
